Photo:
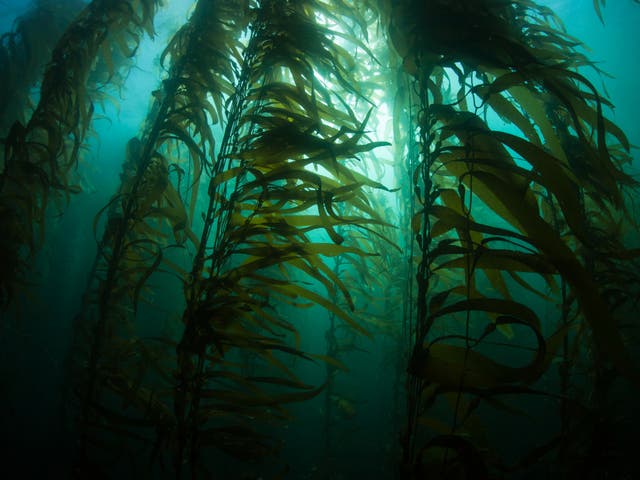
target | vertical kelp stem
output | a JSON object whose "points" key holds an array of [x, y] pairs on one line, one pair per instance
{"points": [[423, 189], [106, 300], [332, 352], [116, 243], [263, 199], [462, 66], [215, 248], [218, 212]]}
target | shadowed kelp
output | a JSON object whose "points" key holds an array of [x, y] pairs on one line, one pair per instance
{"points": [[501, 61], [40, 157]]}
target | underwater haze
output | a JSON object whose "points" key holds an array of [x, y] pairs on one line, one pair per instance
{"points": [[319, 239]]}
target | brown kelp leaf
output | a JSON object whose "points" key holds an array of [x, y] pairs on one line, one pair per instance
{"points": [[509, 113], [606, 335], [557, 179], [459, 368], [293, 291]]}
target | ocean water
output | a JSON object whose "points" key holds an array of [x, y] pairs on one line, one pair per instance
{"points": [[362, 439]]}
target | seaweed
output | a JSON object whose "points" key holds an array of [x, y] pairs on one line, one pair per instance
{"points": [[252, 228], [507, 63], [254, 191], [40, 155]]}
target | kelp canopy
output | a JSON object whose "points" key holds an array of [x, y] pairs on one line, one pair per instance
{"points": [[439, 176]]}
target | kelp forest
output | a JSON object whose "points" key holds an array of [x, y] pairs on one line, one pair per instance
{"points": [[315, 239]]}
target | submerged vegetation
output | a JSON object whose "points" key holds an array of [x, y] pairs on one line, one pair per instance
{"points": [[440, 174]]}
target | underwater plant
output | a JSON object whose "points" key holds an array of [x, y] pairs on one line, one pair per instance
{"points": [[500, 60], [257, 193], [41, 155]]}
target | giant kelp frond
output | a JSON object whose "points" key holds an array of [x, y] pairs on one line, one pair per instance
{"points": [[147, 219], [281, 177], [40, 155], [549, 165]]}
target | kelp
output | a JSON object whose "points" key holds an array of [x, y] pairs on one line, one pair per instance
{"points": [[41, 155], [262, 199], [148, 218], [248, 190], [255, 234], [510, 62]]}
